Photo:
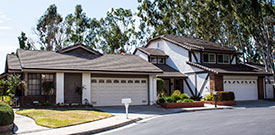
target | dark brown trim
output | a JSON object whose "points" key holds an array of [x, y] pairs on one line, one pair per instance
{"points": [[189, 87], [200, 72], [148, 89], [203, 85], [118, 75], [77, 46], [260, 87], [195, 57], [196, 84], [201, 61], [190, 56]]}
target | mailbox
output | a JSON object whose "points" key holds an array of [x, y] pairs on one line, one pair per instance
{"points": [[126, 102]]}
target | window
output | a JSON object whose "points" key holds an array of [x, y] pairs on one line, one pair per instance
{"points": [[130, 81], [153, 60], [109, 81], [161, 60], [209, 58], [143, 81], [93, 81], [36, 81], [136, 81], [101, 81], [116, 81], [223, 58], [123, 81]]}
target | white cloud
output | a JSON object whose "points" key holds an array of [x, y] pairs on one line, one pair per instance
{"points": [[4, 17]]}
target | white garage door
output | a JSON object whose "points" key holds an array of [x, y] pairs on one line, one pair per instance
{"points": [[243, 89], [110, 91]]}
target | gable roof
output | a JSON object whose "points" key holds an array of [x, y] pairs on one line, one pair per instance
{"points": [[13, 62], [151, 51], [49, 60], [70, 48], [194, 43], [237, 69], [169, 72]]}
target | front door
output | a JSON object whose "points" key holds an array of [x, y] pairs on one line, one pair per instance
{"points": [[71, 81], [179, 85]]}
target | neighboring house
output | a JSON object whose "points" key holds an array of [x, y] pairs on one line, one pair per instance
{"points": [[199, 67], [106, 78]]}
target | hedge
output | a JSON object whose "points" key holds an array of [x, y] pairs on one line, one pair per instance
{"points": [[6, 115], [225, 96]]}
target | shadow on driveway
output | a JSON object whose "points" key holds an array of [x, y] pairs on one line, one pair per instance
{"points": [[255, 104]]}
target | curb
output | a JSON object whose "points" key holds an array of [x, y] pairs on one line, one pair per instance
{"points": [[205, 109], [108, 128]]}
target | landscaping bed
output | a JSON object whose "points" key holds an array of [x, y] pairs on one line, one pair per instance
{"points": [[227, 103], [178, 100], [63, 117], [182, 105]]}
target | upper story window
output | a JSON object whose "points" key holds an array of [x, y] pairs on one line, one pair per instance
{"points": [[223, 58], [153, 60], [157, 60], [209, 58]]}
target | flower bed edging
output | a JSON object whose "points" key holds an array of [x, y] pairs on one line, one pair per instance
{"points": [[229, 103], [182, 105]]}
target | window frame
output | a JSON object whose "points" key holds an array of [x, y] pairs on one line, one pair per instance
{"points": [[163, 62], [41, 77], [153, 57], [208, 58], [223, 58]]}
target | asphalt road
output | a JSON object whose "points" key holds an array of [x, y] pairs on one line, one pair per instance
{"points": [[249, 121]]}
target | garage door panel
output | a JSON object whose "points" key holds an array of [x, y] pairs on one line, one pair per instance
{"points": [[243, 89], [110, 94]]}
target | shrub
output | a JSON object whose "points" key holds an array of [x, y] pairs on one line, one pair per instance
{"points": [[176, 92], [169, 100], [161, 100], [184, 96], [6, 115], [225, 95], [187, 100], [196, 98], [209, 97], [175, 97], [160, 87]]}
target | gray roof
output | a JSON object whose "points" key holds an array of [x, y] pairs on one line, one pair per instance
{"points": [[169, 72], [13, 62], [238, 69], [109, 62], [152, 51], [194, 43]]}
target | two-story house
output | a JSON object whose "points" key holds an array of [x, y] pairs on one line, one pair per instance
{"points": [[204, 66]]}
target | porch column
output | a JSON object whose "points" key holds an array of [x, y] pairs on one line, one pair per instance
{"points": [[59, 88], [86, 82], [152, 89]]}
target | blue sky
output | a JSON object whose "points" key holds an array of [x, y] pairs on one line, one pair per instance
{"points": [[22, 15]]}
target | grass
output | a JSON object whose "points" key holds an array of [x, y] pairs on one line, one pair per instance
{"points": [[62, 118]]}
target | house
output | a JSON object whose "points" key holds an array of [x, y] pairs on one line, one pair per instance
{"points": [[204, 67], [106, 78]]}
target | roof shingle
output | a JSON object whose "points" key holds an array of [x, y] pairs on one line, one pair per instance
{"points": [[152, 51]]}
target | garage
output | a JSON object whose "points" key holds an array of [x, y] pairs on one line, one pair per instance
{"points": [[108, 91], [244, 89]]}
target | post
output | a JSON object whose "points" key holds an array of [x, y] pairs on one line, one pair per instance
{"points": [[126, 102]]}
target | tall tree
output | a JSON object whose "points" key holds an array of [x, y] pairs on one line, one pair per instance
{"points": [[116, 32], [77, 26], [24, 43], [50, 30]]}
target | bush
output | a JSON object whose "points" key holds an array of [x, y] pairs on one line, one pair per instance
{"points": [[6, 115], [184, 96], [209, 97], [161, 100], [187, 100], [175, 98], [225, 95], [176, 92], [196, 98]]}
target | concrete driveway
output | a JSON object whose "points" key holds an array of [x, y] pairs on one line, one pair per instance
{"points": [[255, 104]]}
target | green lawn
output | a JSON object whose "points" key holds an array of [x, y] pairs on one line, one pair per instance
{"points": [[62, 118]]}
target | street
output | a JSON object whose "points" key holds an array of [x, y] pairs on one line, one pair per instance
{"points": [[249, 121]]}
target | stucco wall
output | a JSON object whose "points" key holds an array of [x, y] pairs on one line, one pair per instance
{"points": [[142, 55], [59, 87], [86, 82]]}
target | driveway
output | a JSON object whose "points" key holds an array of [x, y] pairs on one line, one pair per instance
{"points": [[248, 118]]}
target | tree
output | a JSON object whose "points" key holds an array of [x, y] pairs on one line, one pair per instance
{"points": [[77, 26], [24, 43], [50, 30], [116, 31]]}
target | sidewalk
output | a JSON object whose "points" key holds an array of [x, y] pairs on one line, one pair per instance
{"points": [[27, 125]]}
